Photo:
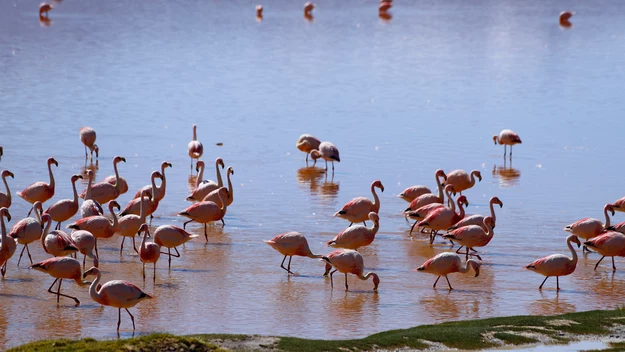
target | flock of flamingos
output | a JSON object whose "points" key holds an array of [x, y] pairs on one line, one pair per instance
{"points": [[440, 213]]}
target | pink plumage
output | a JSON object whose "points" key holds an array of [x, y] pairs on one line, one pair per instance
{"points": [[358, 209], [556, 264]]}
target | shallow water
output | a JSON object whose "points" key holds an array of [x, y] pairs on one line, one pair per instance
{"points": [[399, 98]]}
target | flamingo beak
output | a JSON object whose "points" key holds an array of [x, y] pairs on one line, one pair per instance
{"points": [[11, 174]]}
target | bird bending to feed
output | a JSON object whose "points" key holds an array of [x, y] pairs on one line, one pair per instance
{"points": [[207, 211], [478, 219], [429, 198], [412, 192], [87, 137], [195, 147], [204, 187], [357, 236], [473, 236], [290, 244], [358, 209], [619, 205], [608, 244], [556, 264], [328, 152], [62, 268], [461, 180], [40, 191], [116, 293], [171, 237], [8, 245], [44, 7], [5, 198], [348, 261], [85, 243], [99, 225], [27, 231], [64, 209], [307, 143], [588, 228], [149, 252], [507, 138], [446, 263]]}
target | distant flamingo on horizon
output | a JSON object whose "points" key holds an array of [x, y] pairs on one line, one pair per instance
{"points": [[195, 147], [328, 152], [446, 263], [88, 137], [507, 138], [556, 264], [307, 143]]}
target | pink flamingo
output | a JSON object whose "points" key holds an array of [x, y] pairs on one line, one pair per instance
{"points": [[195, 148], [308, 7], [129, 225], [105, 191], [160, 191], [478, 219], [8, 245], [27, 231], [90, 207], [171, 237], [149, 252], [307, 143], [421, 213], [473, 236], [357, 236], [565, 17], [85, 243], [328, 152], [5, 199], [214, 197], [348, 261], [358, 209], [556, 264], [44, 7], [61, 268], [117, 293], [588, 228], [461, 180], [412, 192], [608, 244], [507, 138], [150, 202], [429, 198], [203, 188], [384, 6], [40, 191], [446, 263], [290, 244], [57, 242], [65, 208], [205, 212], [87, 137], [99, 225], [619, 205], [620, 227], [442, 218], [259, 11]]}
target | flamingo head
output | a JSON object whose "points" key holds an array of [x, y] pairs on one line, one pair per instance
{"points": [[495, 200], [45, 7], [315, 154], [96, 149], [489, 221], [114, 204], [308, 6], [376, 282], [117, 159], [92, 271], [220, 162], [477, 174], [574, 239], [52, 161], [450, 189], [610, 208], [45, 218], [7, 173], [156, 174], [259, 10], [378, 184], [230, 170], [38, 206], [76, 178], [476, 268], [495, 139], [199, 165], [165, 164], [566, 15], [441, 173], [5, 212], [224, 193], [374, 217], [144, 228], [463, 200]]}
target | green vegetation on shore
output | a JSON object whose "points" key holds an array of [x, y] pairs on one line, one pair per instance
{"points": [[470, 334]]}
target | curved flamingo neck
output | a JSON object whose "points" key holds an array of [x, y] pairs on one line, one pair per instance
{"points": [[492, 210], [490, 231], [568, 243], [376, 200], [115, 215], [143, 205], [194, 133], [93, 291], [453, 204], [607, 217], [160, 191], [38, 214], [200, 175], [88, 193], [367, 276], [143, 240], [51, 176], [470, 264], [230, 189], [224, 206], [460, 210], [472, 183], [5, 241], [45, 233], [374, 229], [440, 190], [6, 185], [117, 185], [75, 193], [220, 182]]}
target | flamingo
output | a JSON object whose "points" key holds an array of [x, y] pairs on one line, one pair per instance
{"points": [[259, 11], [446, 263], [461, 180], [620, 227], [328, 152], [421, 213], [619, 205], [44, 7], [27, 231], [129, 225], [307, 143], [160, 191], [412, 192], [40, 191], [507, 138], [203, 188], [99, 225], [358, 209], [473, 236], [61, 268], [105, 191], [214, 197], [171, 237], [588, 228], [149, 252], [150, 202], [384, 6], [608, 244], [57, 242], [442, 218], [290, 244], [478, 219], [117, 293], [556, 264], [90, 207], [66, 208], [195, 148], [116, 179], [308, 7], [8, 245], [348, 261], [357, 236], [565, 17], [205, 212], [87, 137], [429, 198], [5, 199], [85, 243]]}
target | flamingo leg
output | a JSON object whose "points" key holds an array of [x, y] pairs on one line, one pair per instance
{"points": [[30, 211], [326, 165], [599, 262], [541, 285], [289, 265], [96, 247], [289, 268], [332, 166], [122, 247], [131, 318], [222, 222], [84, 259], [21, 253], [332, 280], [143, 271], [134, 245], [504, 150], [3, 269], [364, 223], [86, 155], [613, 266], [459, 248], [169, 253], [557, 277], [184, 224], [434, 286], [58, 226], [412, 227], [350, 224], [328, 268], [205, 234], [28, 252], [346, 287], [59, 294], [155, 273], [450, 288], [119, 310]]}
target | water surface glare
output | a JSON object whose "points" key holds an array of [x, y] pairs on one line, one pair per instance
{"points": [[399, 98]]}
